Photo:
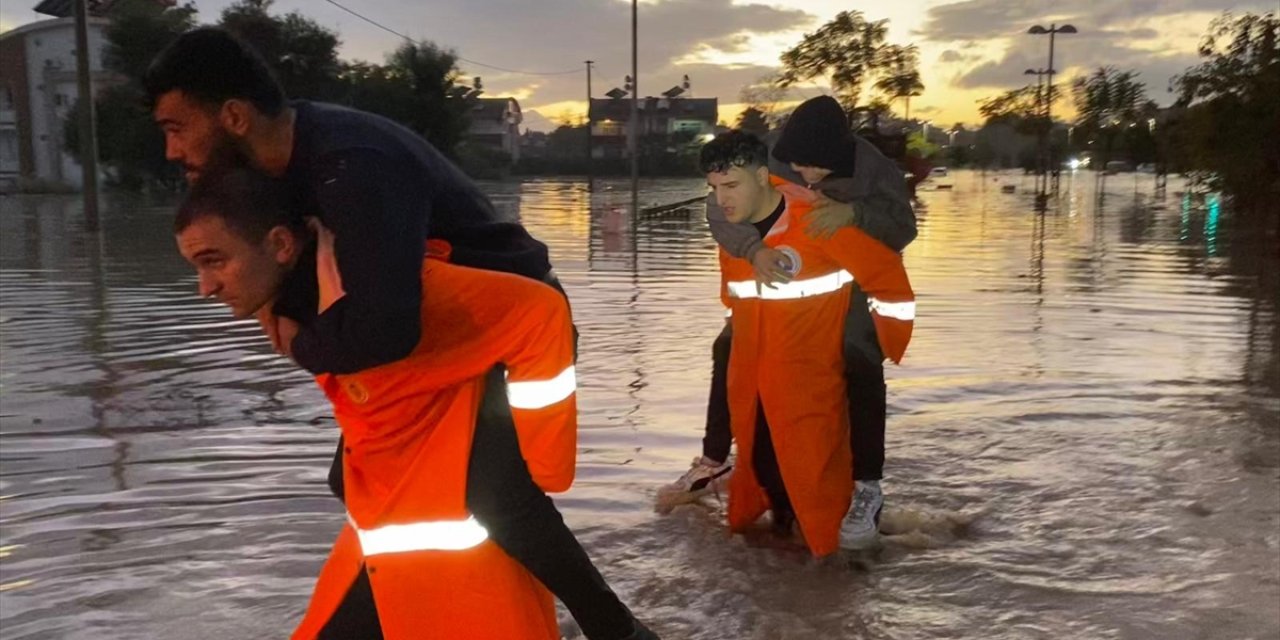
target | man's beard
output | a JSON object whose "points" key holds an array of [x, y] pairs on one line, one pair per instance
{"points": [[223, 156]]}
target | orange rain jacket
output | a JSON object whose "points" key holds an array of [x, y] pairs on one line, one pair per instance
{"points": [[786, 357], [408, 427]]}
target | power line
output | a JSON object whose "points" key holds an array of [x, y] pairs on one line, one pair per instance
{"points": [[478, 64]]}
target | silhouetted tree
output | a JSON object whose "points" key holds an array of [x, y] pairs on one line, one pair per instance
{"points": [[1229, 103], [753, 120], [849, 49]]}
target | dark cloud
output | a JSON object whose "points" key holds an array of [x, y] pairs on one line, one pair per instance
{"points": [[1076, 58], [560, 34], [987, 19], [951, 55], [556, 35]]}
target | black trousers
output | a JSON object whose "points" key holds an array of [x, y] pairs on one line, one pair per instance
{"points": [[764, 460], [520, 519], [865, 387]]}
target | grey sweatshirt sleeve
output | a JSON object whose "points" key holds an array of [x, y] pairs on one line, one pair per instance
{"points": [[878, 191]]}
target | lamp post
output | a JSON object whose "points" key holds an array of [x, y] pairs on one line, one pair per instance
{"points": [[591, 183], [88, 119], [1053, 31], [1042, 155], [633, 131]]}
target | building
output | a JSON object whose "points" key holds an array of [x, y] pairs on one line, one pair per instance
{"points": [[673, 119], [495, 124], [37, 90], [533, 144]]}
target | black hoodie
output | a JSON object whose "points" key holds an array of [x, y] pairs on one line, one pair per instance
{"points": [[817, 135]]}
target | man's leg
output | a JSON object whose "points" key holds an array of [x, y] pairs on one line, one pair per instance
{"points": [[335, 472], [765, 462], [711, 470], [522, 520], [357, 616], [717, 438], [864, 384]]}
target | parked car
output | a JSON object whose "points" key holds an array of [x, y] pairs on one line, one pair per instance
{"points": [[1118, 166]]}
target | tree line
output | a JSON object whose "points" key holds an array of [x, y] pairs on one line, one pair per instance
{"points": [[1217, 130], [419, 84], [1223, 128]]}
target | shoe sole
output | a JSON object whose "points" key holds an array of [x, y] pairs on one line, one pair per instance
{"points": [[670, 500], [862, 544]]}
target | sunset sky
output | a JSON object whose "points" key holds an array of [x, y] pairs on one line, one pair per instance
{"points": [[970, 49]]}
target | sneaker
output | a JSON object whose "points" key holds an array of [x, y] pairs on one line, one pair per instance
{"points": [[861, 527], [783, 523], [703, 477]]}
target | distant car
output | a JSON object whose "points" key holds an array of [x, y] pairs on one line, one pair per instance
{"points": [[1118, 166], [938, 172]]}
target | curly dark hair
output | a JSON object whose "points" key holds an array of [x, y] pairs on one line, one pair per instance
{"points": [[730, 149]]}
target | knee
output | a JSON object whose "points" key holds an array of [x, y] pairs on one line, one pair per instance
{"points": [[721, 347], [862, 369]]}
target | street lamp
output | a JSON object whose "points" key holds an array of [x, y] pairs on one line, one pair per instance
{"points": [[1053, 30], [1043, 151], [1039, 74]]}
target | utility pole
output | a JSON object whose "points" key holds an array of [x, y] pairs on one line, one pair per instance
{"points": [[1042, 140], [88, 121], [591, 182], [1053, 31], [633, 132]]}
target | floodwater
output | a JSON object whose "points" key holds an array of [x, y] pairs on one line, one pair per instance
{"points": [[1084, 439]]}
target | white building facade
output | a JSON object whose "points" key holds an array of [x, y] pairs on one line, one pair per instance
{"points": [[37, 91]]}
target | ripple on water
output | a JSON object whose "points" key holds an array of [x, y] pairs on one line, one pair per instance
{"points": [[1082, 438]]}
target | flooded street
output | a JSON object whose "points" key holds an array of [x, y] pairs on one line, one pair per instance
{"points": [[1084, 437]]}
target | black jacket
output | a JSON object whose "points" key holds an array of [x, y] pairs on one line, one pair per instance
{"points": [[383, 191]]}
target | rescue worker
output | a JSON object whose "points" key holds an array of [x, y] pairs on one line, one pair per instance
{"points": [[383, 191], [786, 386], [412, 561], [856, 186]]}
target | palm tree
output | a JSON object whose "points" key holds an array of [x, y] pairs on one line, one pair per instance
{"points": [[902, 76], [1109, 102]]}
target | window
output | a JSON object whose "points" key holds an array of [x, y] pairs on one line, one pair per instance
{"points": [[8, 150]]}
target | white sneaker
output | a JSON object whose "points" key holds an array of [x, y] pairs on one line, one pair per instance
{"points": [[703, 477], [861, 527]]}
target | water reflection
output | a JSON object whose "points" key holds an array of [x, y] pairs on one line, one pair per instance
{"points": [[1098, 384]]}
